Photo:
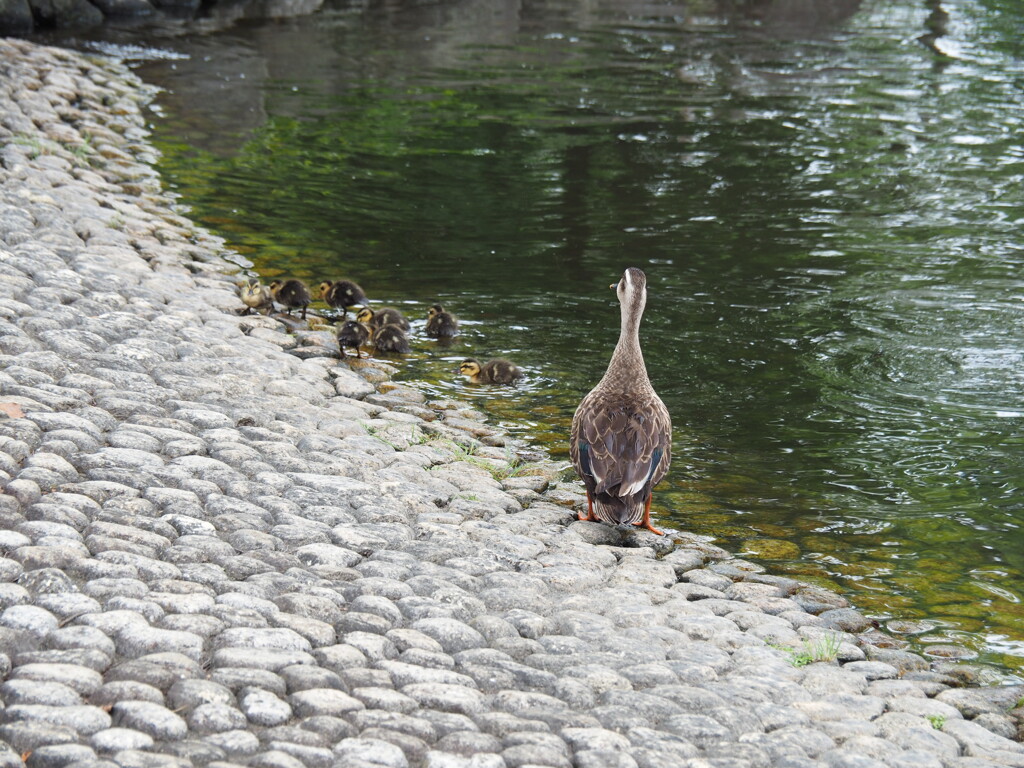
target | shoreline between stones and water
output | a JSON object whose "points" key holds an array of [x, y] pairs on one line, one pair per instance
{"points": [[219, 546]]}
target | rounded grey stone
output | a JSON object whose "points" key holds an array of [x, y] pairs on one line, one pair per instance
{"points": [[277, 639], [145, 640], [373, 751], [185, 695], [234, 743], [323, 701], [469, 743], [81, 717], [275, 758], [451, 634], [149, 718], [30, 735], [215, 718], [80, 637], [81, 679], [237, 678], [303, 677], [263, 708], [120, 690], [38, 621], [161, 670], [38, 692], [114, 740]]}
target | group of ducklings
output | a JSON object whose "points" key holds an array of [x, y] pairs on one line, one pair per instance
{"points": [[383, 329]]}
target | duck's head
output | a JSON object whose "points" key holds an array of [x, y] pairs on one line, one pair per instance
{"points": [[632, 292], [434, 310], [632, 279], [325, 286], [275, 286], [469, 367], [365, 315]]}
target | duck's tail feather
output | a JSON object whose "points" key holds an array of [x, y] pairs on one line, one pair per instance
{"points": [[611, 509]]}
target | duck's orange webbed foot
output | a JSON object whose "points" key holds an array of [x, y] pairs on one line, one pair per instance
{"points": [[646, 522], [590, 511]]}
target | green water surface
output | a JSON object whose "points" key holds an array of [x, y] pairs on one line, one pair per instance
{"points": [[826, 198]]}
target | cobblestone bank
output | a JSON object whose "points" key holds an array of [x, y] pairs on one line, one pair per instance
{"points": [[221, 546]]}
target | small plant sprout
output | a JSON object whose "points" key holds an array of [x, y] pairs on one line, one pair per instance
{"points": [[822, 648]]}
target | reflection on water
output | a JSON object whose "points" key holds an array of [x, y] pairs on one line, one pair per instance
{"points": [[826, 198]]}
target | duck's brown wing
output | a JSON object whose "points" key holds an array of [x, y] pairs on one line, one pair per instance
{"points": [[621, 445]]}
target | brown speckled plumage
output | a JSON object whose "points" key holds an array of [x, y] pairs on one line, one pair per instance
{"points": [[342, 294], [496, 371], [621, 437], [256, 296], [441, 324], [292, 294], [382, 317], [391, 338], [352, 335]]}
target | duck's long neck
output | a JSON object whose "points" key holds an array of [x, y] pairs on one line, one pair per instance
{"points": [[626, 367]]}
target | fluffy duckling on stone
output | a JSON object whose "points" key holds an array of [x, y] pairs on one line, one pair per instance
{"points": [[292, 294], [256, 296], [342, 294], [391, 338], [497, 371], [382, 317], [353, 335], [441, 324]]}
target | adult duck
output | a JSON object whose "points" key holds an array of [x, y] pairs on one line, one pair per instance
{"points": [[621, 437]]}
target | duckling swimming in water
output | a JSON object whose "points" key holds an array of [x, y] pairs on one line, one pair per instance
{"points": [[342, 294], [391, 338], [382, 317], [353, 335], [497, 371], [256, 296], [441, 324], [292, 294]]}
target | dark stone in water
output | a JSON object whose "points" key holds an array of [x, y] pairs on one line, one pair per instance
{"points": [[15, 17], [65, 13], [818, 599], [908, 626], [944, 651]]}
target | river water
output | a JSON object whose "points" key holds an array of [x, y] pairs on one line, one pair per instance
{"points": [[826, 197]]}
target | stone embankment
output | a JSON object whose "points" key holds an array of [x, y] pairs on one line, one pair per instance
{"points": [[222, 546], [22, 17]]}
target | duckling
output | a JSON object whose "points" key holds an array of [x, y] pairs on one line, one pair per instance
{"points": [[256, 296], [292, 294], [497, 371], [382, 317], [441, 324], [342, 294], [353, 334], [391, 338]]}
